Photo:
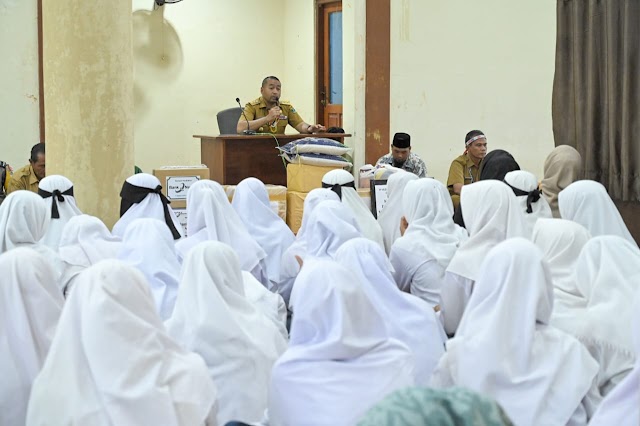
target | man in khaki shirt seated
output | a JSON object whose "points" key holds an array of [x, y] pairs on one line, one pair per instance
{"points": [[465, 168], [29, 176], [268, 114]]}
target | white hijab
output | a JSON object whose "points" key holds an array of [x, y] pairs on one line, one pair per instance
{"points": [[620, 407], [210, 217], [251, 202], [491, 214], [270, 304], [213, 318], [607, 276], [407, 318], [331, 224], [561, 242], [431, 233], [341, 360], [24, 219], [111, 361], [151, 207], [527, 182], [85, 241], [587, 203], [30, 306], [148, 246], [389, 217], [364, 217], [505, 348], [65, 205]]}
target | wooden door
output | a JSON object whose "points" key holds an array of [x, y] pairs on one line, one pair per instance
{"points": [[329, 63]]}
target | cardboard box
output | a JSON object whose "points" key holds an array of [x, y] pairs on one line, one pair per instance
{"points": [[365, 196], [304, 178], [176, 181], [181, 214], [295, 206], [277, 197]]}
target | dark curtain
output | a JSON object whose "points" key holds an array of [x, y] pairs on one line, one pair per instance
{"points": [[596, 90]]}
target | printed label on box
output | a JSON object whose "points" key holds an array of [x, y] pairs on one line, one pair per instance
{"points": [[177, 186], [181, 215]]}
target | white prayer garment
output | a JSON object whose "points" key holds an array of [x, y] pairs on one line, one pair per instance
{"points": [[24, 220], [112, 363], [268, 303], [561, 167], [534, 206], [587, 203], [620, 407], [148, 246], [422, 254], [607, 276], [142, 198], [331, 224], [407, 318], [505, 348], [85, 241], [491, 214], [30, 306], [251, 202], [343, 181], [289, 265], [57, 192], [210, 217], [341, 359], [213, 318], [389, 217], [561, 242]]}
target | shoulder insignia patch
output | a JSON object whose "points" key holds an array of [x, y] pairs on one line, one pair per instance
{"points": [[255, 102]]}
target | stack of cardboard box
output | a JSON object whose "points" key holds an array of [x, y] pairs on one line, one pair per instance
{"points": [[301, 179]]}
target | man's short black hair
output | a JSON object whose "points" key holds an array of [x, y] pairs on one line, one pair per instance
{"points": [[271, 77], [37, 149], [335, 130], [472, 134]]}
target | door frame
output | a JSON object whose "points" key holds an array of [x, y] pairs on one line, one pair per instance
{"points": [[321, 62]]}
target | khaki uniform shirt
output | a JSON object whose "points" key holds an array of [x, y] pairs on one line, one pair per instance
{"points": [[462, 171], [24, 178], [258, 109]]}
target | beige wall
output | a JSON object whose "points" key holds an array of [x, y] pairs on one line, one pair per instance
{"points": [[19, 93], [458, 66]]}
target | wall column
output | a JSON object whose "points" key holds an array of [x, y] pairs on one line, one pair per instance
{"points": [[88, 88]]}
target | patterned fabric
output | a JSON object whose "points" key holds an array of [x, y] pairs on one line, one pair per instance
{"points": [[434, 407], [414, 164]]}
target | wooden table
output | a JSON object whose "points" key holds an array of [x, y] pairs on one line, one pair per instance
{"points": [[232, 158]]}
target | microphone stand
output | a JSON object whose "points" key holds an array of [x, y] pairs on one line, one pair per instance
{"points": [[248, 131]]}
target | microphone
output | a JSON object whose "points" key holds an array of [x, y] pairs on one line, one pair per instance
{"points": [[274, 124], [248, 131]]}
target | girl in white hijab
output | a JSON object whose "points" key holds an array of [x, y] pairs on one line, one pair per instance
{"points": [[213, 318], [142, 197], [407, 318], [587, 203], [289, 265], [341, 360], [57, 192], [562, 167], [251, 202], [389, 217], [422, 254], [343, 183], [148, 246], [491, 214], [561, 242], [30, 306], [111, 361], [620, 407], [525, 187], [210, 217], [505, 348], [85, 241], [607, 276]]}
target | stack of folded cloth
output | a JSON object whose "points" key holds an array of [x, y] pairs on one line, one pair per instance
{"points": [[317, 152]]}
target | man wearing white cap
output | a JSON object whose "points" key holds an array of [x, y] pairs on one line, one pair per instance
{"points": [[465, 168]]}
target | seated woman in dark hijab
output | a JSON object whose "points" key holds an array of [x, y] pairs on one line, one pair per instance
{"points": [[495, 165]]}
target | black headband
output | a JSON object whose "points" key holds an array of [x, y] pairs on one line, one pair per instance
{"points": [[132, 194], [57, 196], [532, 196], [337, 188]]}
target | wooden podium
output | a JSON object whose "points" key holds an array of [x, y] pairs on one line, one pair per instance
{"points": [[232, 158]]}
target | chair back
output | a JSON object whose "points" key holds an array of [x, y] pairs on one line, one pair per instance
{"points": [[228, 120]]}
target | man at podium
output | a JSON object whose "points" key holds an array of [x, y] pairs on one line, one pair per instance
{"points": [[268, 114]]}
